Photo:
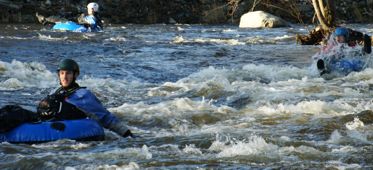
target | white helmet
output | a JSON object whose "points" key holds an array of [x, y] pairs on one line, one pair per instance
{"points": [[93, 5]]}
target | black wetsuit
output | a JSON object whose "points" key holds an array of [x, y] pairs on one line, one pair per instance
{"points": [[358, 37]]}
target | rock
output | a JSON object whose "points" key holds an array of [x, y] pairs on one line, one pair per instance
{"points": [[260, 19]]}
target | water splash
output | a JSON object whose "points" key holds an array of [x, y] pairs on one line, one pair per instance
{"points": [[20, 75], [254, 145]]}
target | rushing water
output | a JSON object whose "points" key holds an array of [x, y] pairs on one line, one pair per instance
{"points": [[197, 96]]}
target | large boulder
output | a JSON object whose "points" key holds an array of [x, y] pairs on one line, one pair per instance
{"points": [[260, 19]]}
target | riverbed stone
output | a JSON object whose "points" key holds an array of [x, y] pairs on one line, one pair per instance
{"points": [[261, 19]]}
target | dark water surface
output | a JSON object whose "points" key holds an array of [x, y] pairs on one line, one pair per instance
{"points": [[198, 96]]}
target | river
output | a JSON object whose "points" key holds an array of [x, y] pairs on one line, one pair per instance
{"points": [[198, 97]]}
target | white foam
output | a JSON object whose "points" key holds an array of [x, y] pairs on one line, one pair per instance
{"points": [[116, 39], [229, 30], [174, 107], [219, 41], [217, 82], [254, 145], [285, 138], [71, 144], [180, 29], [11, 84], [301, 149], [23, 75], [138, 153], [177, 114], [274, 72], [355, 124], [315, 107], [209, 81], [50, 38], [341, 166], [268, 40], [191, 149], [284, 37], [259, 40], [344, 149], [15, 37], [181, 39], [130, 166], [178, 40]]}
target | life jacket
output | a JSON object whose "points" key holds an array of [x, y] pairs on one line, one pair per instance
{"points": [[86, 101], [62, 110], [94, 22]]}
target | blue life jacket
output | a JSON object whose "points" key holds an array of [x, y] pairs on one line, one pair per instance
{"points": [[92, 20], [87, 102]]}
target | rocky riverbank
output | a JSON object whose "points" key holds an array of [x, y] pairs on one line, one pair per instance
{"points": [[182, 11]]}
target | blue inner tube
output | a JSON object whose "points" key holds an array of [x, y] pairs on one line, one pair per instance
{"points": [[342, 66], [69, 26], [81, 129], [348, 65]]}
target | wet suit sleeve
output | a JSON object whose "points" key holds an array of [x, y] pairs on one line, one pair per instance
{"points": [[367, 44], [360, 37], [88, 103]]}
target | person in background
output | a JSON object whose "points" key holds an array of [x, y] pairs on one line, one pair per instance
{"points": [[90, 20]]}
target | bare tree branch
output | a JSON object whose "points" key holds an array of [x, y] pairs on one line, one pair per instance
{"points": [[322, 8], [320, 17]]}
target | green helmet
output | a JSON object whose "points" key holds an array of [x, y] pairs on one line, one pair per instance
{"points": [[69, 64]]}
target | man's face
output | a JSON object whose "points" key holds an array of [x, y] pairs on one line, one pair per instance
{"points": [[340, 39], [66, 77], [90, 11]]}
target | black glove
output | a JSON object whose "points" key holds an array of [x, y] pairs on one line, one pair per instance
{"points": [[128, 133], [49, 107], [120, 129]]}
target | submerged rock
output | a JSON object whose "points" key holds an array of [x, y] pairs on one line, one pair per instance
{"points": [[261, 19], [325, 126]]}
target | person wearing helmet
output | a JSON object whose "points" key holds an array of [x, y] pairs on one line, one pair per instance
{"points": [[341, 34], [70, 101], [352, 38], [91, 20]]}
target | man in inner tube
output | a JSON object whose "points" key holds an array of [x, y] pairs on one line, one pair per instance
{"points": [[349, 37], [352, 38], [70, 101], [90, 20]]}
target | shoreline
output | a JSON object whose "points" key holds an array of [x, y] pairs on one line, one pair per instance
{"points": [[182, 11]]}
